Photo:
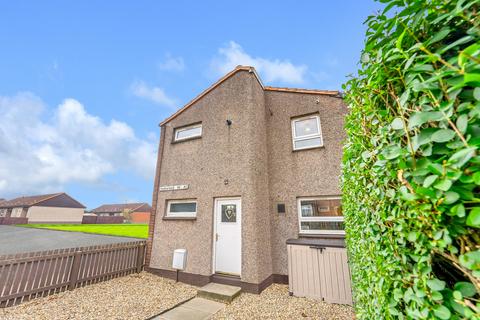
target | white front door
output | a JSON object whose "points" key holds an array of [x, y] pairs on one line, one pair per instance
{"points": [[228, 236]]}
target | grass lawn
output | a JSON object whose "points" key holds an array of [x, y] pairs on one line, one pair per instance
{"points": [[124, 230]]}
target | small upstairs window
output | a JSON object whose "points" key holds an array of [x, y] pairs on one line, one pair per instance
{"points": [[188, 132], [306, 132]]}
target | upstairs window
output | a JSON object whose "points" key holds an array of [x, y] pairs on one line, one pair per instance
{"points": [[320, 215], [306, 132], [182, 208], [188, 132]]}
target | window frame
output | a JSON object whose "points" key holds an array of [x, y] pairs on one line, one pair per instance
{"points": [[185, 128], [188, 215], [318, 219], [309, 136]]}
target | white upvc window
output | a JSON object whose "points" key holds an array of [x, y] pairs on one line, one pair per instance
{"points": [[181, 208], [16, 212], [320, 215], [307, 132], [188, 132]]}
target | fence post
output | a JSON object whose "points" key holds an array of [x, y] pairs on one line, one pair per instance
{"points": [[77, 257], [140, 257]]}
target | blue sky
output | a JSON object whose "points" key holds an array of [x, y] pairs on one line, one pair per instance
{"points": [[83, 85]]}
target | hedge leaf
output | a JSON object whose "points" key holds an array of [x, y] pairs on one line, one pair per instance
{"points": [[411, 165]]}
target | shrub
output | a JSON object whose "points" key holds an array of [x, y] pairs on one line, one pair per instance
{"points": [[411, 167]]}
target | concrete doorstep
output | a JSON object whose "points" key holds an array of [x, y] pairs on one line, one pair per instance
{"points": [[219, 292]]}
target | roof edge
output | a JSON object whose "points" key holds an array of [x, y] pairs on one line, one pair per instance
{"points": [[307, 91], [140, 204], [213, 86], [47, 198], [51, 196], [57, 195], [251, 70]]}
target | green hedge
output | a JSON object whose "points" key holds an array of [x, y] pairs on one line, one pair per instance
{"points": [[411, 167]]}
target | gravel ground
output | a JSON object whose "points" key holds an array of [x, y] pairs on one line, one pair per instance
{"points": [[275, 303], [140, 296], [137, 296]]}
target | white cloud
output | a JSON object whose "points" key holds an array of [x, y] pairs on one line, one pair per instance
{"points": [[271, 70], [155, 94], [38, 155], [172, 64]]}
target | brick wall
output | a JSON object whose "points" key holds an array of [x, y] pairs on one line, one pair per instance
{"points": [[140, 217], [151, 223]]}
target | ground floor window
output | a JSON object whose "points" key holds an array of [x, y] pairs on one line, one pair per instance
{"points": [[181, 208], [320, 215]]}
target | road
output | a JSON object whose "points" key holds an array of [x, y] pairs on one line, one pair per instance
{"points": [[17, 239]]}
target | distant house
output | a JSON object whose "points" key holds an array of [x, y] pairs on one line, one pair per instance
{"points": [[47, 208], [87, 213], [139, 212]]}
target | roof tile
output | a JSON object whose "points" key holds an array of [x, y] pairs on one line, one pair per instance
{"points": [[111, 208], [27, 201]]}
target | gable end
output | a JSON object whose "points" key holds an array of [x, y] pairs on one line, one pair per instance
{"points": [[62, 200]]}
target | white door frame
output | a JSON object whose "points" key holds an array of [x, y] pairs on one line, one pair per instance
{"points": [[215, 231]]}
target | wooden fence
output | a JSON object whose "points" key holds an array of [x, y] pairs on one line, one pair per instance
{"points": [[102, 220], [13, 220], [36, 274]]}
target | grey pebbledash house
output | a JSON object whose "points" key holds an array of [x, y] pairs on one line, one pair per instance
{"points": [[247, 181]]}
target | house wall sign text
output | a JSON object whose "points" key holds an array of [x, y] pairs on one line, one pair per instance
{"points": [[174, 187]]}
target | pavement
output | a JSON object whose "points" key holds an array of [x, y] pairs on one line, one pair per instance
{"points": [[18, 239]]}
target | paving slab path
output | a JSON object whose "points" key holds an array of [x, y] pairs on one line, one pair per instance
{"points": [[195, 309], [210, 299], [18, 239]]}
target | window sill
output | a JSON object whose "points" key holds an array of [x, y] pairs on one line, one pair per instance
{"points": [[187, 139], [179, 218], [322, 235], [318, 241], [305, 149]]}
